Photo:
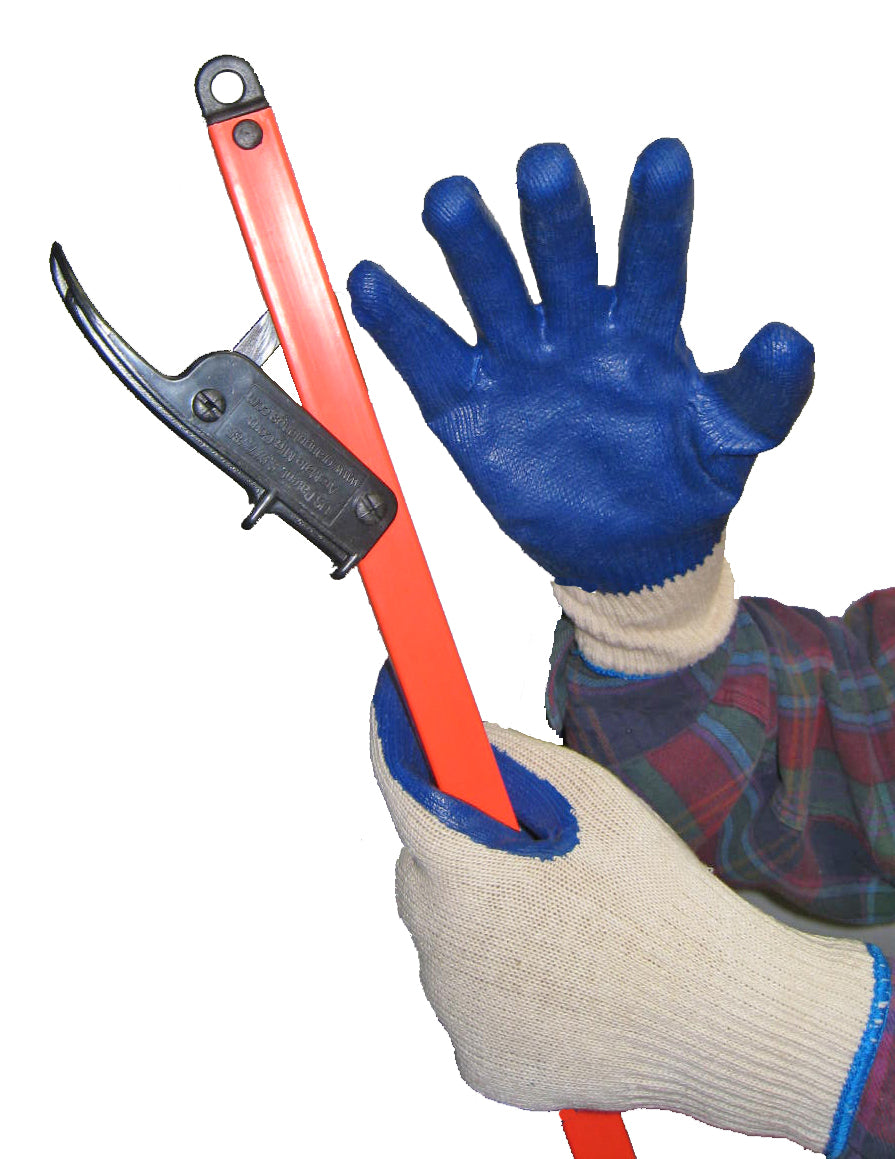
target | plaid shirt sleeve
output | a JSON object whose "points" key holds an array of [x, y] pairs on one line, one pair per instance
{"points": [[774, 758]]}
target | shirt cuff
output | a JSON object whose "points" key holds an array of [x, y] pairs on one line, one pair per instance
{"points": [[657, 629]]}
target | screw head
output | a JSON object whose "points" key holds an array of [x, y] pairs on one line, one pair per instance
{"points": [[247, 134], [208, 405], [370, 508]]}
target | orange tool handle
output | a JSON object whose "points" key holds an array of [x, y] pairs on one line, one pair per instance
{"points": [[328, 378]]}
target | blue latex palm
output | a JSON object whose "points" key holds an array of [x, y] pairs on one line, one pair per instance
{"points": [[583, 423]]}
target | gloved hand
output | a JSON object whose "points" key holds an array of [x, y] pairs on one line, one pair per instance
{"points": [[592, 961], [583, 423]]}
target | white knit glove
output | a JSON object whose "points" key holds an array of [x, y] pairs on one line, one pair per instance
{"points": [[600, 965], [656, 629]]}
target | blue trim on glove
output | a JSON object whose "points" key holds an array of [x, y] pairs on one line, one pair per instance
{"points": [[862, 1065], [612, 674], [549, 826]]}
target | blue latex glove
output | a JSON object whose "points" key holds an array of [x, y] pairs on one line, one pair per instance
{"points": [[583, 423]]}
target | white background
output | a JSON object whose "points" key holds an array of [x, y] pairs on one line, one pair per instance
{"points": [[200, 950]]}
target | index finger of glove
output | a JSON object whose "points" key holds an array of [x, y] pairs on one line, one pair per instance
{"points": [[432, 358], [654, 239], [481, 263], [559, 234]]}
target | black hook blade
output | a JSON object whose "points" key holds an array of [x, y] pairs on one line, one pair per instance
{"points": [[228, 410]]}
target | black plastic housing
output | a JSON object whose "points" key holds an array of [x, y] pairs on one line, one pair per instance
{"points": [[231, 412]]}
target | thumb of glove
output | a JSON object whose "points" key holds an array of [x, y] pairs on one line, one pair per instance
{"points": [[753, 406]]}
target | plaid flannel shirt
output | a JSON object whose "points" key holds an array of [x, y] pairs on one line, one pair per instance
{"points": [[774, 759]]}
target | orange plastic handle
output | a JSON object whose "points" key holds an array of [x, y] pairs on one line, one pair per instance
{"points": [[329, 381]]}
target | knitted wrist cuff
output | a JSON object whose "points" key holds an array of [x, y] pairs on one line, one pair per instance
{"points": [[657, 629]]}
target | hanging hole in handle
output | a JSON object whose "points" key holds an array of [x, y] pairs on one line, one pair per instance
{"points": [[228, 87], [236, 89]]}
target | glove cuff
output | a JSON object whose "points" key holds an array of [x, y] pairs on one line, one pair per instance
{"points": [[657, 629]]}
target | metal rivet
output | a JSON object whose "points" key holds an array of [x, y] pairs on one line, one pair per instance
{"points": [[247, 134]]}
